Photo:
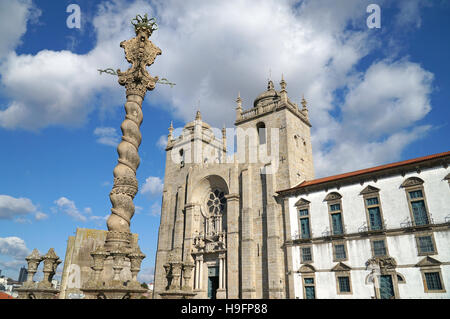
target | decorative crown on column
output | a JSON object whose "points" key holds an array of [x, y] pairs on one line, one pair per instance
{"points": [[140, 52]]}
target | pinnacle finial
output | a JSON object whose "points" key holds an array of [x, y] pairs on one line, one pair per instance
{"points": [[198, 116], [283, 83], [239, 100], [144, 23], [270, 85], [304, 102]]}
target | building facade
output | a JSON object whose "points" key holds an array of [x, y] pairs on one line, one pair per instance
{"points": [[382, 232], [221, 232], [252, 222]]}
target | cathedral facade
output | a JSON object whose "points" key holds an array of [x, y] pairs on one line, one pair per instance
{"points": [[251, 221], [222, 230]]}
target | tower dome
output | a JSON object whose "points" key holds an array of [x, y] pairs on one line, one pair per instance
{"points": [[269, 95]]}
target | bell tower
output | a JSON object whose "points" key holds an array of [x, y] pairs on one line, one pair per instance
{"points": [[277, 120], [274, 153]]}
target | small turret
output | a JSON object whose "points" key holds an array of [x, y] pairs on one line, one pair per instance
{"points": [[238, 107]]}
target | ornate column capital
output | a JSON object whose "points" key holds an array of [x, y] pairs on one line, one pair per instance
{"points": [[140, 52]]}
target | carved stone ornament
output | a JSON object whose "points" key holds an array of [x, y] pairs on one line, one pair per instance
{"points": [[302, 202], [341, 267], [428, 262], [369, 190], [140, 52], [412, 181], [333, 196], [384, 263], [307, 269]]}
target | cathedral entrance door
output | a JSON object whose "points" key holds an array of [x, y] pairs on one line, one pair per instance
{"points": [[213, 281]]}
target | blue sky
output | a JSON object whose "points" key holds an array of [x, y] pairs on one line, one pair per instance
{"points": [[374, 95]]}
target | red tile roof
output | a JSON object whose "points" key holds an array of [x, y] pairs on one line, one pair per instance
{"points": [[4, 295], [365, 171]]}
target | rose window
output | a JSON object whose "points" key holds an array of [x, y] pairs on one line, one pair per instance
{"points": [[216, 202]]}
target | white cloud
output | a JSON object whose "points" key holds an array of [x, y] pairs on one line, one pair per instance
{"points": [[13, 22], [40, 216], [146, 275], [153, 186], [107, 136], [379, 115], [21, 220], [62, 88], [68, 207], [212, 50], [162, 142], [13, 247], [155, 209], [11, 208], [409, 13]]}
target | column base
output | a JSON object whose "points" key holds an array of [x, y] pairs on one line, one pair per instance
{"points": [[177, 294], [221, 294]]}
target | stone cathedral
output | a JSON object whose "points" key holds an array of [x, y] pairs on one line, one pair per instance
{"points": [[222, 230]]}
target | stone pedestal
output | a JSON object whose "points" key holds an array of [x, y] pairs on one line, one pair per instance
{"points": [[44, 288], [221, 294], [87, 266], [177, 294]]}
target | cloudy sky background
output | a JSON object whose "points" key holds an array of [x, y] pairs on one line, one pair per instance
{"points": [[374, 96]]}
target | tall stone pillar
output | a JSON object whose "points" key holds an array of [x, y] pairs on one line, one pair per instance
{"points": [[232, 260], [248, 243], [122, 253], [179, 224], [164, 243], [188, 236], [275, 260], [288, 247]]}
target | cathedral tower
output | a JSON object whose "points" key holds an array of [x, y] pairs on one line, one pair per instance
{"points": [[222, 227]]}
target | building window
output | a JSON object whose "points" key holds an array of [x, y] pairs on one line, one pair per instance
{"points": [[335, 211], [261, 127], [309, 288], [433, 281], [416, 201], [306, 254], [340, 253], [343, 284], [305, 232], [304, 225], [336, 219], [374, 213], [400, 279], [379, 248], [425, 245], [419, 210]]}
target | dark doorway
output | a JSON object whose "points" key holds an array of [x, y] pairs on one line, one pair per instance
{"points": [[213, 281]]}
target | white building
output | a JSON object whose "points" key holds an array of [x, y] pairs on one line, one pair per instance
{"points": [[382, 232]]}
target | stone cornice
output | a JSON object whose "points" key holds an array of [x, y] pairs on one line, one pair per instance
{"points": [[277, 106], [368, 234], [367, 177]]}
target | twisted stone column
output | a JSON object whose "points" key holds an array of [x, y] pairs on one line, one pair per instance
{"points": [[140, 52]]}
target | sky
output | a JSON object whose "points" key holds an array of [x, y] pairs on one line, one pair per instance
{"points": [[375, 95]]}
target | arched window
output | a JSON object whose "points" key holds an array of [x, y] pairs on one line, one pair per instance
{"points": [[182, 157], [261, 127]]}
